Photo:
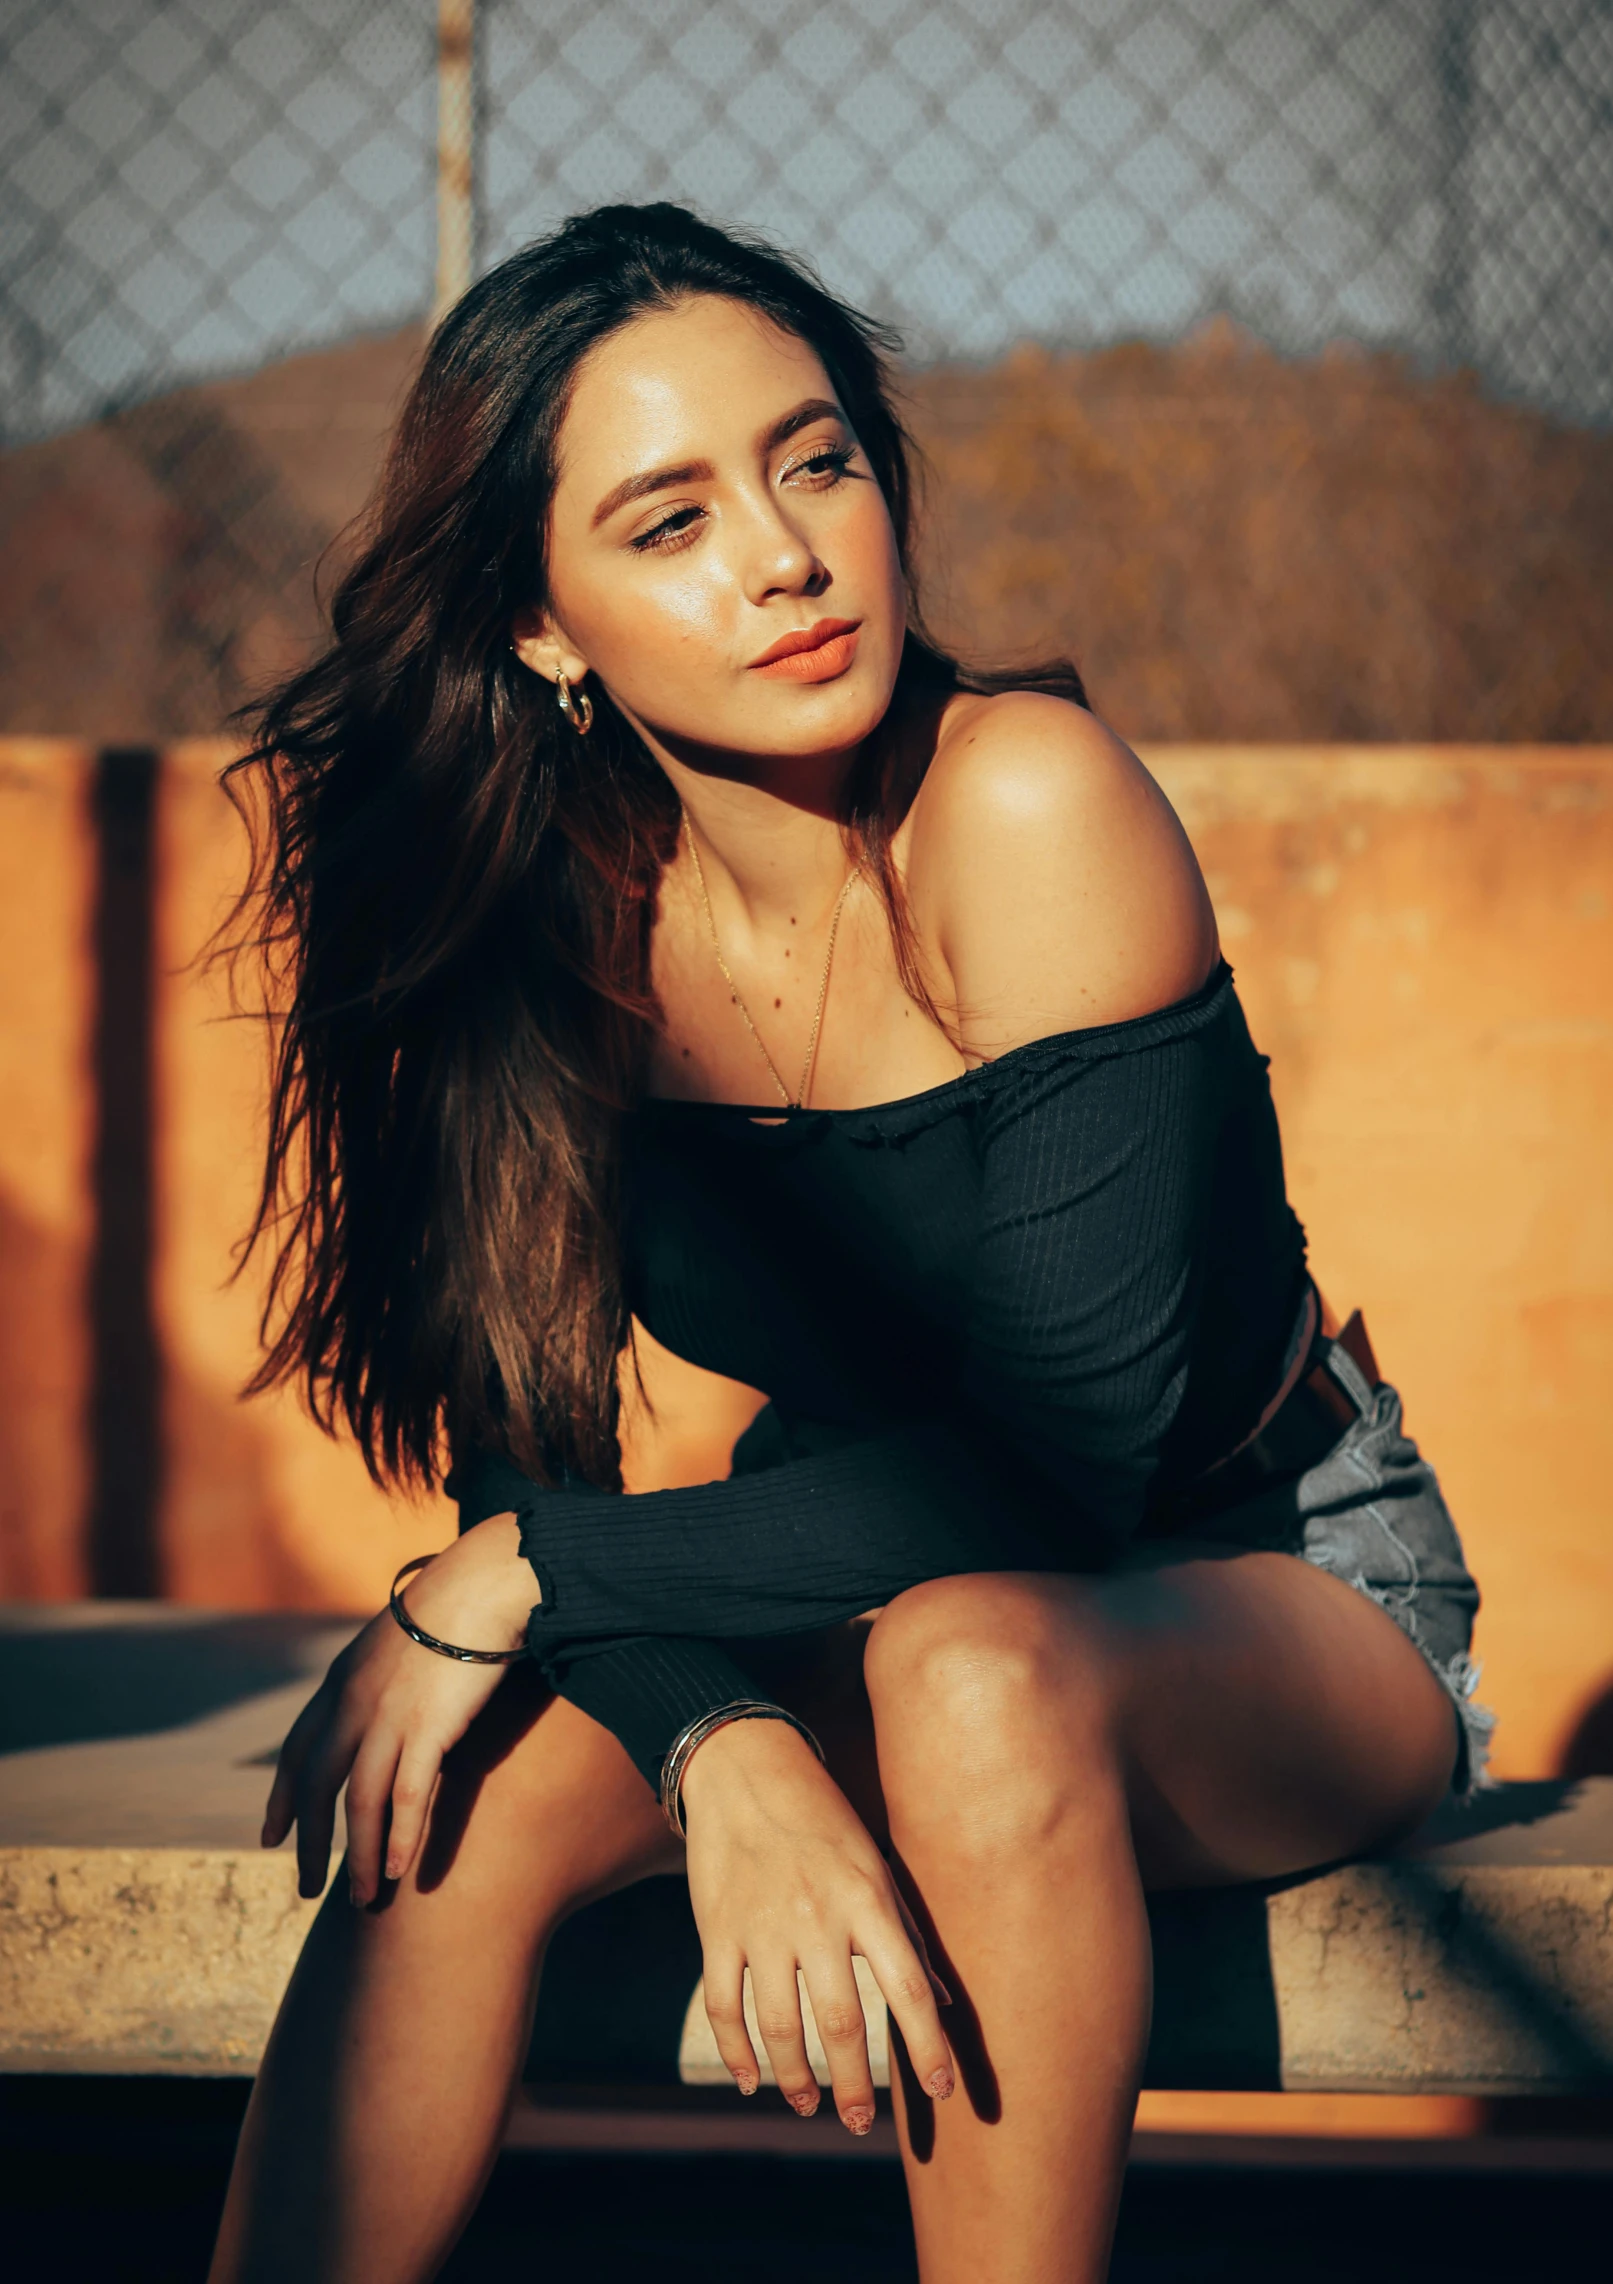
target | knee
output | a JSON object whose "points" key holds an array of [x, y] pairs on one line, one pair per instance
{"points": [[990, 1649], [993, 1706]]}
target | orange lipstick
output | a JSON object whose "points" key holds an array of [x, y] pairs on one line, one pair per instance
{"points": [[810, 654]]}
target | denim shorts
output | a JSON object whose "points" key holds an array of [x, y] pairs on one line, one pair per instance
{"points": [[1371, 1512]]}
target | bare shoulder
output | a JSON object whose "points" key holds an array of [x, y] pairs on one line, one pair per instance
{"points": [[1049, 876]]}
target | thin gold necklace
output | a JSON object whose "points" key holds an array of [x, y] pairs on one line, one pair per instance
{"points": [[796, 1101]]}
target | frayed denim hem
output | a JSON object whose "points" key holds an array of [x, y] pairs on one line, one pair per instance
{"points": [[1372, 1514], [1458, 1676]]}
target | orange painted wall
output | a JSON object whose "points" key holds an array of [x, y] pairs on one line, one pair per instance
{"points": [[46, 887], [1424, 941]]}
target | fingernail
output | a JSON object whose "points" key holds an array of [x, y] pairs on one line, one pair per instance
{"points": [[943, 1997], [746, 2081], [804, 2105], [394, 1869], [940, 2084], [857, 2121]]}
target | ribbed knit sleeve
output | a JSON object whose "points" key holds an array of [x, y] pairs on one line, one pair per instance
{"points": [[644, 1690], [782, 1551]]}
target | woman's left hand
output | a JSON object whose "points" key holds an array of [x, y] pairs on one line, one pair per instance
{"points": [[787, 1882], [388, 1712]]}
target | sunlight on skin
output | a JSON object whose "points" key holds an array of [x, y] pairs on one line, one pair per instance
{"points": [[773, 526], [776, 525], [1047, 876]]}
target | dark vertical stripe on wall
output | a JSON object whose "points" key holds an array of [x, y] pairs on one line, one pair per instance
{"points": [[125, 1399]]}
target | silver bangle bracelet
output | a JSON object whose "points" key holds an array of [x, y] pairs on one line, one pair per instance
{"points": [[693, 1735]]}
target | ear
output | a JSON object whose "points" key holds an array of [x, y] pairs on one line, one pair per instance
{"points": [[539, 644]]}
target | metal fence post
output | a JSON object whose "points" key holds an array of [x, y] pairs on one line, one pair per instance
{"points": [[456, 126]]}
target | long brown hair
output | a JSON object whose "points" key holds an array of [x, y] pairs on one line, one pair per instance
{"points": [[451, 896]]}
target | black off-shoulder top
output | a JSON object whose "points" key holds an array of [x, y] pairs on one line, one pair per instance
{"points": [[999, 1323]]}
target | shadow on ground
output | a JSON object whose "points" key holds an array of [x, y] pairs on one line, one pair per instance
{"points": [[121, 2178], [60, 1686]]}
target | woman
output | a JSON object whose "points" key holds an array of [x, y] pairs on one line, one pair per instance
{"points": [[682, 954]]}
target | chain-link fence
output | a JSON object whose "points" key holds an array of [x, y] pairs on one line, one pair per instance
{"points": [[1436, 175], [193, 188]]}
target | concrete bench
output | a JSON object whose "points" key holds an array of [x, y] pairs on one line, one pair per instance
{"points": [[142, 1930]]}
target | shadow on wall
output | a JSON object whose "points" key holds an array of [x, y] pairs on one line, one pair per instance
{"points": [[124, 1422], [1589, 1750], [89, 1409]]}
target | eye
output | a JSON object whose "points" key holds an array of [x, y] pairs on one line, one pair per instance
{"points": [[673, 530], [824, 466]]}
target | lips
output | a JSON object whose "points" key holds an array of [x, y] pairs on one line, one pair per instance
{"points": [[811, 654]]}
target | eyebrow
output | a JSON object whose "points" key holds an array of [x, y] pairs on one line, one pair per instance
{"points": [[701, 471], [652, 480]]}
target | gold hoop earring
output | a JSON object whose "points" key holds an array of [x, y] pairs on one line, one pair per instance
{"points": [[575, 705]]}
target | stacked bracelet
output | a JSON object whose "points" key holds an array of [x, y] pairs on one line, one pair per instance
{"points": [[693, 1735]]}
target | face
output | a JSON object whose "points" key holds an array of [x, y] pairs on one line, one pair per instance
{"points": [[720, 555]]}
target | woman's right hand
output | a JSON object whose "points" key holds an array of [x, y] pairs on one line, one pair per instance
{"points": [[783, 1875], [388, 1712]]}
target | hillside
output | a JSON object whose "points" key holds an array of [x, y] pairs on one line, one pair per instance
{"points": [[1234, 546]]}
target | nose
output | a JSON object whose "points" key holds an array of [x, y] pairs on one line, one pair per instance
{"points": [[780, 558]]}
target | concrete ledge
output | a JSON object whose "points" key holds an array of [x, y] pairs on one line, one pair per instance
{"points": [[141, 1926], [1465, 1977], [143, 1959], [142, 1930]]}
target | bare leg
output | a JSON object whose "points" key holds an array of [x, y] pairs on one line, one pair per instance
{"points": [[1048, 1746], [377, 2114], [1043, 1744]]}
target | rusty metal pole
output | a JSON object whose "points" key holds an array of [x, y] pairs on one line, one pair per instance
{"points": [[456, 44]]}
